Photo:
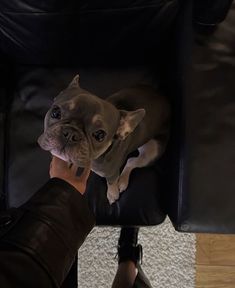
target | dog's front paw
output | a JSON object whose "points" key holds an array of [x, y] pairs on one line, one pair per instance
{"points": [[112, 193], [123, 182]]}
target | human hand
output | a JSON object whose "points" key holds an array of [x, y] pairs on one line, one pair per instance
{"points": [[67, 172]]}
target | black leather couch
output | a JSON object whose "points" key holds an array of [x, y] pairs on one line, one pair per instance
{"points": [[178, 45], [205, 183]]}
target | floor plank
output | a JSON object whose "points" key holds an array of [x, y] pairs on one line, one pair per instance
{"points": [[216, 249], [215, 276], [215, 261]]}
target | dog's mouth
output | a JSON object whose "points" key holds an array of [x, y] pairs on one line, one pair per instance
{"points": [[70, 158], [73, 155], [78, 153]]}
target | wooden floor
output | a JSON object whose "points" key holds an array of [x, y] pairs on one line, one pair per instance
{"points": [[215, 261]]}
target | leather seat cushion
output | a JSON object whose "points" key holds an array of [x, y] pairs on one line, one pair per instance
{"points": [[28, 165]]}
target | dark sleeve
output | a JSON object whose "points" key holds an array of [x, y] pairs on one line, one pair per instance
{"points": [[38, 241]]}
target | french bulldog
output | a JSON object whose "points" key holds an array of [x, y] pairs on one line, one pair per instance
{"points": [[83, 129]]}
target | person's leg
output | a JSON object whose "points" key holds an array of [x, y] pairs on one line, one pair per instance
{"points": [[126, 275], [129, 273], [141, 281]]}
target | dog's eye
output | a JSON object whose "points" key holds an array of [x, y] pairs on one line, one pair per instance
{"points": [[56, 113], [99, 135]]}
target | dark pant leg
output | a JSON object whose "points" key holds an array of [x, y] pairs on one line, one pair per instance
{"points": [[71, 281]]}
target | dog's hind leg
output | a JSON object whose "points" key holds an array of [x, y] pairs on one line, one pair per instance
{"points": [[113, 190], [149, 152]]}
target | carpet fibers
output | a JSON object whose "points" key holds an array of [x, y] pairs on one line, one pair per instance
{"points": [[169, 257]]}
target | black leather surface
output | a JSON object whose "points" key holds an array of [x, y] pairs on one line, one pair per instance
{"points": [[5, 92], [196, 175], [206, 198], [69, 32], [2, 137], [207, 12], [28, 164], [73, 34], [199, 190]]}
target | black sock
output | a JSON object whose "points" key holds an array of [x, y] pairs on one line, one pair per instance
{"points": [[128, 236]]}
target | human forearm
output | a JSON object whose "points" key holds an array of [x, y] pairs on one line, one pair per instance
{"points": [[50, 227]]}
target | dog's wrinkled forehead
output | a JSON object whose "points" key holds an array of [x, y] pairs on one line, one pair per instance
{"points": [[74, 99], [77, 100]]}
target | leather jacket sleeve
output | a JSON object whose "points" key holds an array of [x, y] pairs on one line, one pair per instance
{"points": [[38, 241]]}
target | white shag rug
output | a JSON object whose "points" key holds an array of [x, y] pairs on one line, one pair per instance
{"points": [[169, 257]]}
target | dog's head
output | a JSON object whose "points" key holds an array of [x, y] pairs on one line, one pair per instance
{"points": [[80, 127]]}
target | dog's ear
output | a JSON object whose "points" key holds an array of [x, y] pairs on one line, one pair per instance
{"points": [[75, 82], [128, 122]]}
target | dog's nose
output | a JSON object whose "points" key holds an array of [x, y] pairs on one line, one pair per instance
{"points": [[70, 135]]}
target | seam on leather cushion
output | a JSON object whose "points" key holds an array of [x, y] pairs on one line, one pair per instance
{"points": [[75, 9]]}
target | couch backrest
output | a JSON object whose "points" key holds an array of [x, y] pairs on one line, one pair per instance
{"points": [[69, 32]]}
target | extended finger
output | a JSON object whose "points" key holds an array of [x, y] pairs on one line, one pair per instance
{"points": [[50, 166], [74, 168], [85, 173], [50, 170], [58, 162]]}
